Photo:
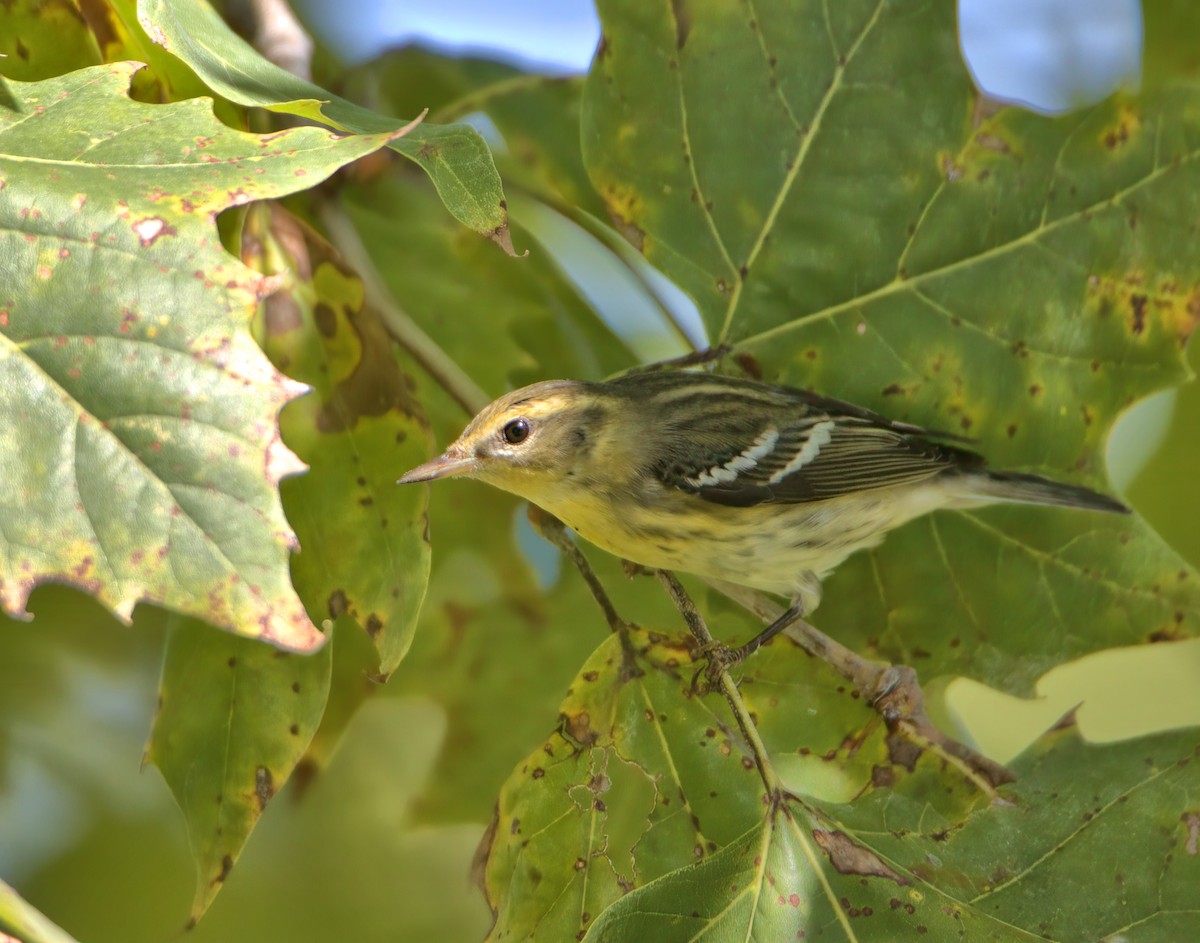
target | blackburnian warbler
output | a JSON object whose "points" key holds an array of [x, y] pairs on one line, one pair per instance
{"points": [[730, 479]]}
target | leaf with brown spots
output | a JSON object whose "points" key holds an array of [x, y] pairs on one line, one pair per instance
{"points": [[657, 827], [141, 450], [455, 156], [234, 718], [661, 782], [364, 554]]}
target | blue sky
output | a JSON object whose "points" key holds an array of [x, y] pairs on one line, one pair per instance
{"points": [[1050, 53]]}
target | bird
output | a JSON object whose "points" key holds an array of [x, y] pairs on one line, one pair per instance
{"points": [[731, 479]]}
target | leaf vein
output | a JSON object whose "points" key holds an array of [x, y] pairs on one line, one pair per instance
{"points": [[794, 169], [1030, 238]]}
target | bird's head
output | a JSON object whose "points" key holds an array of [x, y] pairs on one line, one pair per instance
{"points": [[534, 435]]}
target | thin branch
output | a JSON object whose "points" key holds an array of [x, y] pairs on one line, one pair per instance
{"points": [[404, 330], [894, 691], [554, 531]]}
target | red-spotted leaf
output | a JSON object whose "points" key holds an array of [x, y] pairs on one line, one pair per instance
{"points": [[139, 448]]}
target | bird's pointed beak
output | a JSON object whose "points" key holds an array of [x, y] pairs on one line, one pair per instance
{"points": [[444, 466]]}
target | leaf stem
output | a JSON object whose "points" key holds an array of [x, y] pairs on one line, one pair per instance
{"points": [[404, 330]]}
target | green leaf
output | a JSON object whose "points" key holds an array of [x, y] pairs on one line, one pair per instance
{"points": [[364, 552], [1116, 824], [505, 324], [643, 775], [234, 717], [640, 777], [605, 803], [537, 115], [140, 441], [38, 40], [763, 886], [1017, 278], [455, 157], [1168, 50]]}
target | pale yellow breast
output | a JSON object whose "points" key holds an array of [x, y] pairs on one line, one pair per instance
{"points": [[769, 546]]}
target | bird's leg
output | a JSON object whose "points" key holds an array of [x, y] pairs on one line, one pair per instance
{"points": [[725, 684], [808, 595], [793, 612], [719, 657]]}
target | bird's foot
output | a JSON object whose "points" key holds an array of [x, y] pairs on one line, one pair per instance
{"points": [[718, 658]]}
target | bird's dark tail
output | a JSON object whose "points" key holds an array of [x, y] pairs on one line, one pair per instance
{"points": [[1021, 488]]}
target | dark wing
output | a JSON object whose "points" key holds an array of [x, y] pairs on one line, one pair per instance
{"points": [[812, 454]]}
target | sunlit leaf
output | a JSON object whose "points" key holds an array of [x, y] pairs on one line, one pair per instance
{"points": [[454, 156], [141, 443]]}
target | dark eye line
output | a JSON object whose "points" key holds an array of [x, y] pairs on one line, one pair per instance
{"points": [[516, 431]]}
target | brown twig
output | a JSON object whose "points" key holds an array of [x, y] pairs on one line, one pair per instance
{"points": [[894, 691]]}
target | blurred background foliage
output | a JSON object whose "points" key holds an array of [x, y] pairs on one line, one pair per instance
{"points": [[376, 841]]}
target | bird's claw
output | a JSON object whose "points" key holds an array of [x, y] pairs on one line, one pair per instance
{"points": [[719, 658]]}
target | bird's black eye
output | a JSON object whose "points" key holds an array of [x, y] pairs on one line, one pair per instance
{"points": [[516, 431]]}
